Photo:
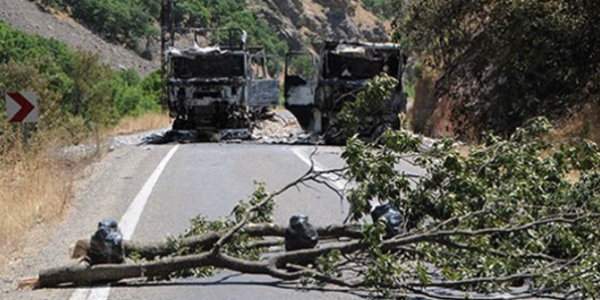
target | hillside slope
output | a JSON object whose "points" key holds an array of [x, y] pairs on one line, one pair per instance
{"points": [[26, 16], [301, 22]]}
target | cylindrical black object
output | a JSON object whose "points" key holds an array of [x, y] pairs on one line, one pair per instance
{"points": [[106, 244], [300, 234], [392, 217]]}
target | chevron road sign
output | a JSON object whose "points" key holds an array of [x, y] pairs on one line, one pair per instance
{"points": [[22, 107]]}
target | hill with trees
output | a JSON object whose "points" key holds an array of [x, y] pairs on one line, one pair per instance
{"points": [[74, 88], [494, 65], [276, 25]]}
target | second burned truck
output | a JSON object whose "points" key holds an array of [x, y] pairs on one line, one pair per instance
{"points": [[340, 71]]}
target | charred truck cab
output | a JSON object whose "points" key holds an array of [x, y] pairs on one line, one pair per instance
{"points": [[220, 88], [340, 71]]}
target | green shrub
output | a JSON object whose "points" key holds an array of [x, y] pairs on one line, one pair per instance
{"points": [[74, 90], [128, 21], [504, 64], [117, 21], [384, 8]]}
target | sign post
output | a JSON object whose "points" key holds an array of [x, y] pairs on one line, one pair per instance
{"points": [[22, 107]]}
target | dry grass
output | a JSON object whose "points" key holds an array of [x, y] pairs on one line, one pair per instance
{"points": [[364, 18], [142, 123], [584, 123], [34, 188], [36, 185], [312, 8]]}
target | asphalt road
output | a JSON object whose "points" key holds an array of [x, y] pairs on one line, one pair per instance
{"points": [[209, 179], [154, 190]]}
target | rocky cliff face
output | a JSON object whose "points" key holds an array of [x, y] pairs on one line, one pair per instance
{"points": [[302, 22]]}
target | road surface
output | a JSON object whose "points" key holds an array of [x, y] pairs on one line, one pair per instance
{"points": [[210, 179], [155, 189]]}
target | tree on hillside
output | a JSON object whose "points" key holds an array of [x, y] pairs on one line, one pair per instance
{"points": [[129, 22], [501, 63], [74, 89], [517, 212]]}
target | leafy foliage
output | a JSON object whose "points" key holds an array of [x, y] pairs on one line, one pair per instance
{"points": [[357, 115], [229, 14], [240, 243], [509, 207], [73, 89], [510, 211], [385, 8], [302, 65], [504, 62], [518, 212], [262, 214], [128, 21], [117, 21]]}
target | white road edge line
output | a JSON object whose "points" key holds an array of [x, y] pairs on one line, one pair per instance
{"points": [[127, 224], [340, 184], [306, 159]]}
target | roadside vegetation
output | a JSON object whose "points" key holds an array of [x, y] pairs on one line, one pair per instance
{"points": [[517, 209], [129, 22], [386, 9], [139, 123], [76, 94], [494, 65]]}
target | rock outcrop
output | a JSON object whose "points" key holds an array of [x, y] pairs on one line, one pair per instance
{"points": [[303, 22]]}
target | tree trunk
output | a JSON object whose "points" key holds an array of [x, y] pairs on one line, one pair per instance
{"points": [[150, 251], [78, 274], [83, 274]]}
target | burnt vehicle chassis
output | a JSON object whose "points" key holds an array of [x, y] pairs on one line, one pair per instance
{"points": [[221, 88], [341, 70]]}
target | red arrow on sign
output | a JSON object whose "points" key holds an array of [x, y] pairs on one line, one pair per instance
{"points": [[26, 106]]}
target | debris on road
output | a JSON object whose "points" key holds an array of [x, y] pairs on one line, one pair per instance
{"points": [[278, 127], [300, 234]]}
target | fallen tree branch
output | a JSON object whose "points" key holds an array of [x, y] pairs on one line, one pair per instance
{"points": [[279, 267], [150, 251], [310, 175], [272, 266]]}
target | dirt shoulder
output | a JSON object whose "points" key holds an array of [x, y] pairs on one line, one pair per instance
{"points": [[104, 188]]}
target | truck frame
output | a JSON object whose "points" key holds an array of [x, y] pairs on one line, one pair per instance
{"points": [[221, 88], [340, 70]]}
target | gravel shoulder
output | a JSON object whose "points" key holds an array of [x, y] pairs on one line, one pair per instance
{"points": [[103, 189]]}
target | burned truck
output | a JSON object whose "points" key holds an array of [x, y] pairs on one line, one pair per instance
{"points": [[339, 71], [219, 85]]}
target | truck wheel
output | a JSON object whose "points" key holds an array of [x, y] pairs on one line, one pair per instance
{"points": [[395, 124], [303, 114], [179, 124]]}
